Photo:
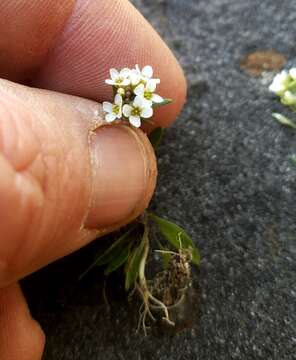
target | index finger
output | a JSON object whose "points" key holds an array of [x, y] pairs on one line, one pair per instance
{"points": [[99, 35]]}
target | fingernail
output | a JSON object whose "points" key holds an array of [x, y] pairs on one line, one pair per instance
{"points": [[124, 172]]}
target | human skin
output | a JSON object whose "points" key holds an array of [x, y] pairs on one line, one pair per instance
{"points": [[62, 183]]}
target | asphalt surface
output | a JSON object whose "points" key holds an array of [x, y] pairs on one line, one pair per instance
{"points": [[225, 176]]}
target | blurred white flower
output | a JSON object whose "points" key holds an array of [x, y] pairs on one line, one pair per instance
{"points": [[119, 78], [289, 98], [136, 111], [114, 111], [147, 93], [292, 73], [280, 82]]}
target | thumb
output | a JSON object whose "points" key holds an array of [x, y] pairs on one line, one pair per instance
{"points": [[62, 184]]}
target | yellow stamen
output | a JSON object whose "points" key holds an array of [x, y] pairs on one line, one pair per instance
{"points": [[115, 109], [148, 95], [136, 111]]}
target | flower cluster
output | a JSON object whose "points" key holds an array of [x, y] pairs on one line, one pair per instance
{"points": [[134, 95], [284, 85]]}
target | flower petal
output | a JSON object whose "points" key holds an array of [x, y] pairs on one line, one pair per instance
{"points": [[138, 102], [147, 71], [289, 98], [150, 86], [109, 82], [107, 106], [124, 72], [146, 112], [134, 78], [126, 110], [155, 81], [118, 100], [139, 90], [110, 117], [114, 74], [157, 98], [125, 82], [282, 76], [138, 69], [292, 73], [146, 103], [135, 121], [276, 87]]}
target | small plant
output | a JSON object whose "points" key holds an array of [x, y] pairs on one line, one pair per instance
{"points": [[130, 252], [284, 86], [134, 100]]}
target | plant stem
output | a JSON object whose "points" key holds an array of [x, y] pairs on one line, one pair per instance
{"points": [[142, 278]]}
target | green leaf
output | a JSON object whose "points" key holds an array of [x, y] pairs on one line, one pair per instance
{"points": [[118, 261], [132, 270], [112, 252], [164, 102], [284, 120], [176, 236], [156, 136]]}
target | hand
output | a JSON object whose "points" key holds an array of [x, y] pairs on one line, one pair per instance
{"points": [[61, 186]]}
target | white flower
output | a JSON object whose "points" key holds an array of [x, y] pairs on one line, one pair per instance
{"points": [[142, 76], [136, 111], [292, 73], [147, 93], [114, 111], [119, 78], [289, 98], [280, 82]]}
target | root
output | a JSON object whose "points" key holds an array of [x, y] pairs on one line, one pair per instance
{"points": [[149, 302], [146, 307], [164, 308], [178, 303], [169, 288]]}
